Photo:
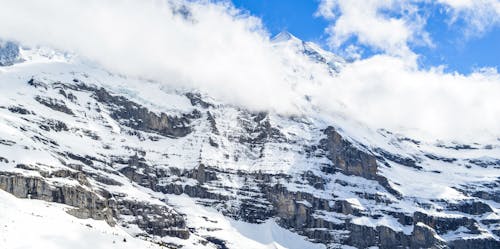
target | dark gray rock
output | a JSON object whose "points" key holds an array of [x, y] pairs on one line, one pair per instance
{"points": [[54, 104], [258, 130], [487, 243], [54, 125], [7, 142], [471, 207], [388, 238], [406, 161], [19, 109], [443, 225], [196, 100], [154, 219], [424, 237], [37, 84], [88, 204], [493, 195], [213, 123], [346, 157], [135, 116]]}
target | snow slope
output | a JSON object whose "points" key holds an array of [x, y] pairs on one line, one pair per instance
{"points": [[26, 223]]}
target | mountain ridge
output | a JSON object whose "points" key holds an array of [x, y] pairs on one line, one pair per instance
{"points": [[178, 169]]}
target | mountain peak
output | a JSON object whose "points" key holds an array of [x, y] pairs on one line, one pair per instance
{"points": [[284, 36]]}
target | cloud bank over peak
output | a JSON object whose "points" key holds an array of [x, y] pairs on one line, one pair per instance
{"points": [[213, 47], [386, 91]]}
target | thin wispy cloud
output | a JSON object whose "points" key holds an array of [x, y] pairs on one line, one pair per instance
{"points": [[477, 16]]}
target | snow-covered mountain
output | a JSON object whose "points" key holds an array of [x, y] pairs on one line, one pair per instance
{"points": [[101, 160], [310, 49]]}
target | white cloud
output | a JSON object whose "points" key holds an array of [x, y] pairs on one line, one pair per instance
{"points": [[326, 9], [478, 15], [389, 90], [229, 56], [384, 25], [385, 91], [390, 26], [222, 51]]}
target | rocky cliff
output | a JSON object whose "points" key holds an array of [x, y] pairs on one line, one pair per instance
{"points": [[88, 139]]}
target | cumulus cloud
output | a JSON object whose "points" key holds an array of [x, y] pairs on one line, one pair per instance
{"points": [[385, 25], [389, 89], [478, 16], [213, 47], [217, 48], [386, 91], [391, 25]]}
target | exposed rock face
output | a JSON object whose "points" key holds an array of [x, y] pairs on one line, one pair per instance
{"points": [[53, 125], [443, 225], [54, 104], [19, 109], [88, 204], [295, 211], [475, 244], [9, 53], [197, 100], [493, 195], [410, 162], [388, 238], [424, 237], [349, 159], [259, 130], [471, 207], [154, 219], [138, 117]]}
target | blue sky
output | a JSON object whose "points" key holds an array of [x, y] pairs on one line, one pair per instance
{"points": [[451, 47]]}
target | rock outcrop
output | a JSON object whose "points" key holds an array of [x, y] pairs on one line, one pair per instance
{"points": [[87, 203], [154, 219], [138, 117], [346, 157]]}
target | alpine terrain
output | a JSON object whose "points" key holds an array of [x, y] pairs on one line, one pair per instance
{"points": [[94, 159]]}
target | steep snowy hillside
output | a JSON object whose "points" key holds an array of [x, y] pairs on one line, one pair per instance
{"points": [[311, 50], [110, 158], [32, 223]]}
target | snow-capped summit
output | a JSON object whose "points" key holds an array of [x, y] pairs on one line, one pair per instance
{"points": [[285, 36], [310, 49]]}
